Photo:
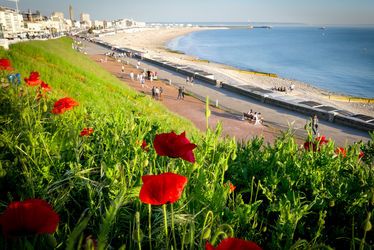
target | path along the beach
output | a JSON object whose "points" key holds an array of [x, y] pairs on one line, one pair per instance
{"points": [[276, 119]]}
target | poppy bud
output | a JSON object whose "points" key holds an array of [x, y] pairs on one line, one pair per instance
{"points": [[45, 108], [135, 235], [51, 241], [332, 203], [206, 233], [367, 224], [146, 162]]}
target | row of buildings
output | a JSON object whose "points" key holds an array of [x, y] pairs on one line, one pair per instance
{"points": [[14, 24]]}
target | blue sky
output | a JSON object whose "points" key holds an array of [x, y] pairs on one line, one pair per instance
{"points": [[299, 11]]}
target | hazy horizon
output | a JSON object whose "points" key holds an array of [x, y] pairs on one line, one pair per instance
{"points": [[318, 12]]}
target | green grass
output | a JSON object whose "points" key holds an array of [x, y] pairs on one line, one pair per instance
{"points": [[286, 197]]}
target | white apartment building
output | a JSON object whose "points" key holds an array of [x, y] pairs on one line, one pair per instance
{"points": [[98, 24], [11, 23], [85, 20], [107, 24], [127, 23], [57, 16]]}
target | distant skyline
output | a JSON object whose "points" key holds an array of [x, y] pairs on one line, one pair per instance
{"points": [[319, 12]]}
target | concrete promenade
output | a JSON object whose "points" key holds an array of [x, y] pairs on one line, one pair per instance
{"points": [[235, 103]]}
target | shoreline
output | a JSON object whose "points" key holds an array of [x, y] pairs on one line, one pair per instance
{"points": [[153, 43]]}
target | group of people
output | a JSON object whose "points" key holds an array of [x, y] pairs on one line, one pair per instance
{"points": [[181, 93], [284, 88], [157, 93], [255, 117], [190, 80]]}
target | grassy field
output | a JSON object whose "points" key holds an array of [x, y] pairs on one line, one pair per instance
{"points": [[285, 197]]}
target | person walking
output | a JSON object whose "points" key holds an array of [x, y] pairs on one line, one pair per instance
{"points": [[315, 125], [153, 92], [179, 93], [183, 92], [161, 90]]}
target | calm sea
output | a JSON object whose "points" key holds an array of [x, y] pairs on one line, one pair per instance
{"points": [[336, 59]]}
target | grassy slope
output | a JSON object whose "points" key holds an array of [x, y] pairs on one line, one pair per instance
{"points": [[72, 74]]}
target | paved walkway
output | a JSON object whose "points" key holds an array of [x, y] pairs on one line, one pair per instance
{"points": [[275, 118]]}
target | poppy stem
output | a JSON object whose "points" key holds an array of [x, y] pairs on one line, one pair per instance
{"points": [[172, 227], [150, 225], [166, 225]]}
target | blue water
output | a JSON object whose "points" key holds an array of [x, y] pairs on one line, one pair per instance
{"points": [[336, 59]]}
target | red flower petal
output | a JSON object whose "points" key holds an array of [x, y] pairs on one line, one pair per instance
{"points": [[33, 79], [175, 146], [63, 105], [5, 64], [162, 189], [86, 131], [33, 216], [361, 155], [233, 244], [45, 86], [341, 151], [144, 145], [232, 187]]}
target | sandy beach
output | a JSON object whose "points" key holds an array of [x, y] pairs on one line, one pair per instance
{"points": [[152, 42]]}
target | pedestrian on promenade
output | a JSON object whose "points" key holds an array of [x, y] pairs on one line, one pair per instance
{"points": [[191, 80], [122, 70], [161, 90], [183, 92], [187, 80], [142, 82], [157, 93], [132, 75], [315, 125], [179, 93], [153, 92]]}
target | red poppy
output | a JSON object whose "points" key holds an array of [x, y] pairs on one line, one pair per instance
{"points": [[45, 87], [162, 189], [318, 142], [361, 155], [173, 145], [86, 131], [34, 79], [64, 104], [232, 187], [341, 151], [233, 244], [33, 216], [144, 145], [5, 64]]}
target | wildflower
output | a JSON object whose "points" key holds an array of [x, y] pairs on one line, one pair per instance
{"points": [[233, 243], [86, 131], [33, 79], [173, 145], [64, 104], [144, 145], [361, 154], [232, 187], [318, 142], [162, 189], [45, 87], [5, 64], [341, 151], [33, 216]]}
